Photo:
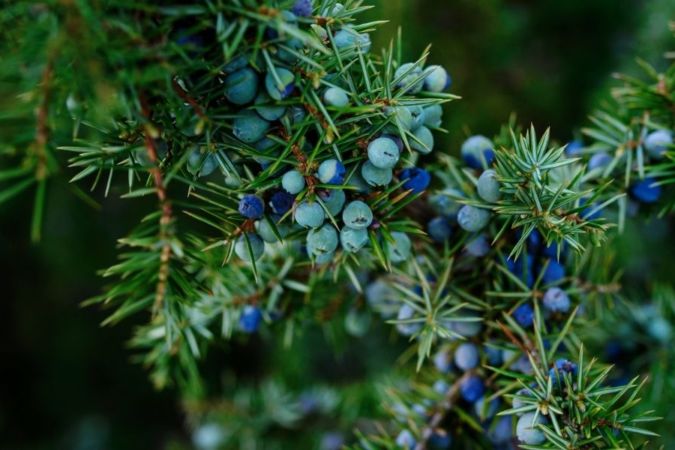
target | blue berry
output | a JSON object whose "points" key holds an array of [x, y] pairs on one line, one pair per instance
{"points": [[437, 79], [657, 142], [241, 247], [433, 115], [478, 246], [401, 116], [309, 214], [592, 212], [321, 241], [202, 166], [281, 202], [466, 356], [415, 179], [280, 91], [396, 139], [375, 176], [477, 152], [238, 62], [302, 8], [444, 202], [526, 429], [522, 268], [248, 127], [442, 361], [382, 298], [561, 368], [324, 258], [335, 96], [266, 109], [500, 431], [440, 440], [241, 86], [383, 153], [573, 148], [556, 300], [289, 54], [348, 38], [407, 312], [296, 114], [293, 182], [645, 191], [250, 318], [493, 354], [417, 114], [406, 440], [554, 272], [441, 387], [332, 441], [352, 239], [408, 77], [472, 388], [486, 411], [488, 186], [465, 327], [357, 215], [524, 315], [331, 171], [439, 229], [251, 206], [423, 140], [599, 160], [209, 436], [333, 200], [264, 229], [519, 402], [399, 250], [473, 219]]}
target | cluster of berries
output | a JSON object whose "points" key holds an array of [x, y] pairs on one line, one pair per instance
{"points": [[541, 263], [645, 190], [477, 153], [314, 195]]}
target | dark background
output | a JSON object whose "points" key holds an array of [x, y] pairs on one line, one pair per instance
{"points": [[67, 383]]}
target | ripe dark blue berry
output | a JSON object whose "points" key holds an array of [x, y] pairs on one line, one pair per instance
{"points": [[524, 315], [554, 272], [302, 8], [285, 85], [250, 318], [251, 206], [281, 202], [477, 152], [646, 191], [331, 171], [472, 388], [561, 368], [415, 179], [439, 229], [573, 148]]}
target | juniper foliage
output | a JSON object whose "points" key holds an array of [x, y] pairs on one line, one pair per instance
{"points": [[204, 108]]}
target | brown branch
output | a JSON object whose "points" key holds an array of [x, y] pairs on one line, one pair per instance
{"points": [[188, 99], [165, 204]]}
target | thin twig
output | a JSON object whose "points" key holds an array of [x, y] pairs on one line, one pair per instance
{"points": [[182, 93], [438, 417], [167, 212]]}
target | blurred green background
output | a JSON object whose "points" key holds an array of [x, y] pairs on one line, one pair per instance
{"points": [[67, 383]]}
